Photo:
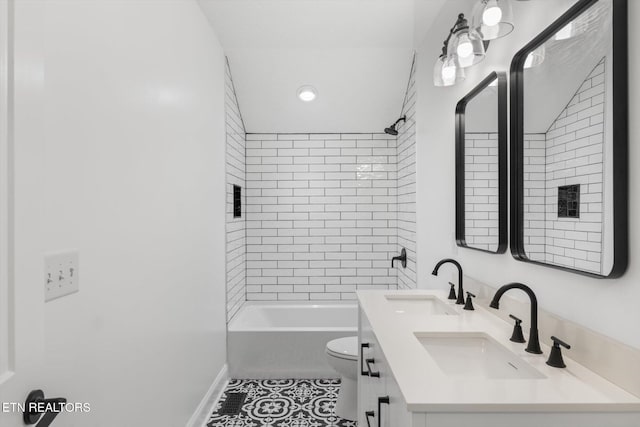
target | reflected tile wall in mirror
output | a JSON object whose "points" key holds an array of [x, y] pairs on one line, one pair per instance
{"points": [[566, 141]]}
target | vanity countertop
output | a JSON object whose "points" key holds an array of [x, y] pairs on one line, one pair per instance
{"points": [[426, 388]]}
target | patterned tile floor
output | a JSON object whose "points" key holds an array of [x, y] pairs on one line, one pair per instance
{"points": [[282, 403]]}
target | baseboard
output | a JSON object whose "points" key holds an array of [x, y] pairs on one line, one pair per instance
{"points": [[201, 414]]}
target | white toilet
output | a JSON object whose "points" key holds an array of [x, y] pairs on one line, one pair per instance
{"points": [[342, 355]]}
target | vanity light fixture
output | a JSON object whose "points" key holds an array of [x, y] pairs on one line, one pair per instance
{"points": [[466, 46], [492, 19], [307, 93], [445, 71]]}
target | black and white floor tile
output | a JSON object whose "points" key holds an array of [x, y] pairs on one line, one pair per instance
{"points": [[282, 403]]}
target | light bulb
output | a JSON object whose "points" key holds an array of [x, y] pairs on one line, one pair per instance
{"points": [[465, 48], [565, 32], [448, 74], [492, 16]]}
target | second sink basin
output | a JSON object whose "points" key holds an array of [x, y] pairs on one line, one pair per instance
{"points": [[419, 304], [475, 356]]}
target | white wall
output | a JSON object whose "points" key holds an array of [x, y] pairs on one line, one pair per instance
{"points": [[606, 306], [131, 173]]}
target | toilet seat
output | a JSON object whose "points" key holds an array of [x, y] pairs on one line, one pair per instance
{"points": [[344, 348]]}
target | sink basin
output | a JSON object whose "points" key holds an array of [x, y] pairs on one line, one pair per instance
{"points": [[419, 304], [475, 356]]}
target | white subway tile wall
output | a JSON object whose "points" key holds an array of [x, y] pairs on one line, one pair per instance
{"points": [[321, 215], [534, 158], [571, 152], [235, 227], [481, 190], [407, 278]]}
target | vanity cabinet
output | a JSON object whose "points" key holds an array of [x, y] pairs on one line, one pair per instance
{"points": [[400, 383]]}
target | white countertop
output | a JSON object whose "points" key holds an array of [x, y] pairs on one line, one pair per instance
{"points": [[426, 388]]}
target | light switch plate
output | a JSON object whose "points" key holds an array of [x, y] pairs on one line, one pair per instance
{"points": [[61, 274]]}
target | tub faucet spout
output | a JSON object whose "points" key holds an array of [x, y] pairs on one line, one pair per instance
{"points": [[402, 258]]}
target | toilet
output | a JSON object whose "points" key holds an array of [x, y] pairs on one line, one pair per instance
{"points": [[342, 355]]}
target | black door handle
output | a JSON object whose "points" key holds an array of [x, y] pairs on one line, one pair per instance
{"points": [[367, 415], [381, 400], [36, 405], [362, 347]]}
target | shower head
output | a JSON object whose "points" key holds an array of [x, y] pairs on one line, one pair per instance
{"points": [[391, 130]]}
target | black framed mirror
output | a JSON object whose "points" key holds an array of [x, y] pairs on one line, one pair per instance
{"points": [[569, 143], [481, 166]]}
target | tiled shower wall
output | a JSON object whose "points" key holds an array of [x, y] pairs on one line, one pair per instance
{"points": [[407, 185], [574, 154], [321, 215], [235, 172], [481, 190]]}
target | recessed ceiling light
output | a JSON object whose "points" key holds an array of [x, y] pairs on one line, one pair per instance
{"points": [[307, 93]]}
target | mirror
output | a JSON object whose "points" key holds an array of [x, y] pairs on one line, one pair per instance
{"points": [[481, 166], [569, 142]]}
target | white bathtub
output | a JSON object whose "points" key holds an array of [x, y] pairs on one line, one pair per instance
{"points": [[287, 339]]}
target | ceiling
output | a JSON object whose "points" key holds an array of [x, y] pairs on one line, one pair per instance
{"points": [[356, 53]]}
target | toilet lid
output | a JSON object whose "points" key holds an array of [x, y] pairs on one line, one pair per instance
{"points": [[346, 348]]}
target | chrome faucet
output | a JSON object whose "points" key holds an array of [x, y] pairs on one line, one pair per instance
{"points": [[534, 342], [460, 299]]}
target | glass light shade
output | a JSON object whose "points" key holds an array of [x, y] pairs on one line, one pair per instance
{"points": [[492, 19], [466, 48], [446, 73], [535, 57]]}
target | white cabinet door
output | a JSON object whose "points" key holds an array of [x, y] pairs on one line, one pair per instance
{"points": [[368, 386], [373, 378], [378, 392], [397, 410]]}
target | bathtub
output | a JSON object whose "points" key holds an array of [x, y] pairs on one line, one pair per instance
{"points": [[287, 339]]}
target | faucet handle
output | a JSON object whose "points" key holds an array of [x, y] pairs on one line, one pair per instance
{"points": [[469, 304], [517, 335], [452, 291], [555, 357], [558, 341]]}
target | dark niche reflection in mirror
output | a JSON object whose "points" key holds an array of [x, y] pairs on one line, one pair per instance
{"points": [[481, 142], [569, 142]]}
